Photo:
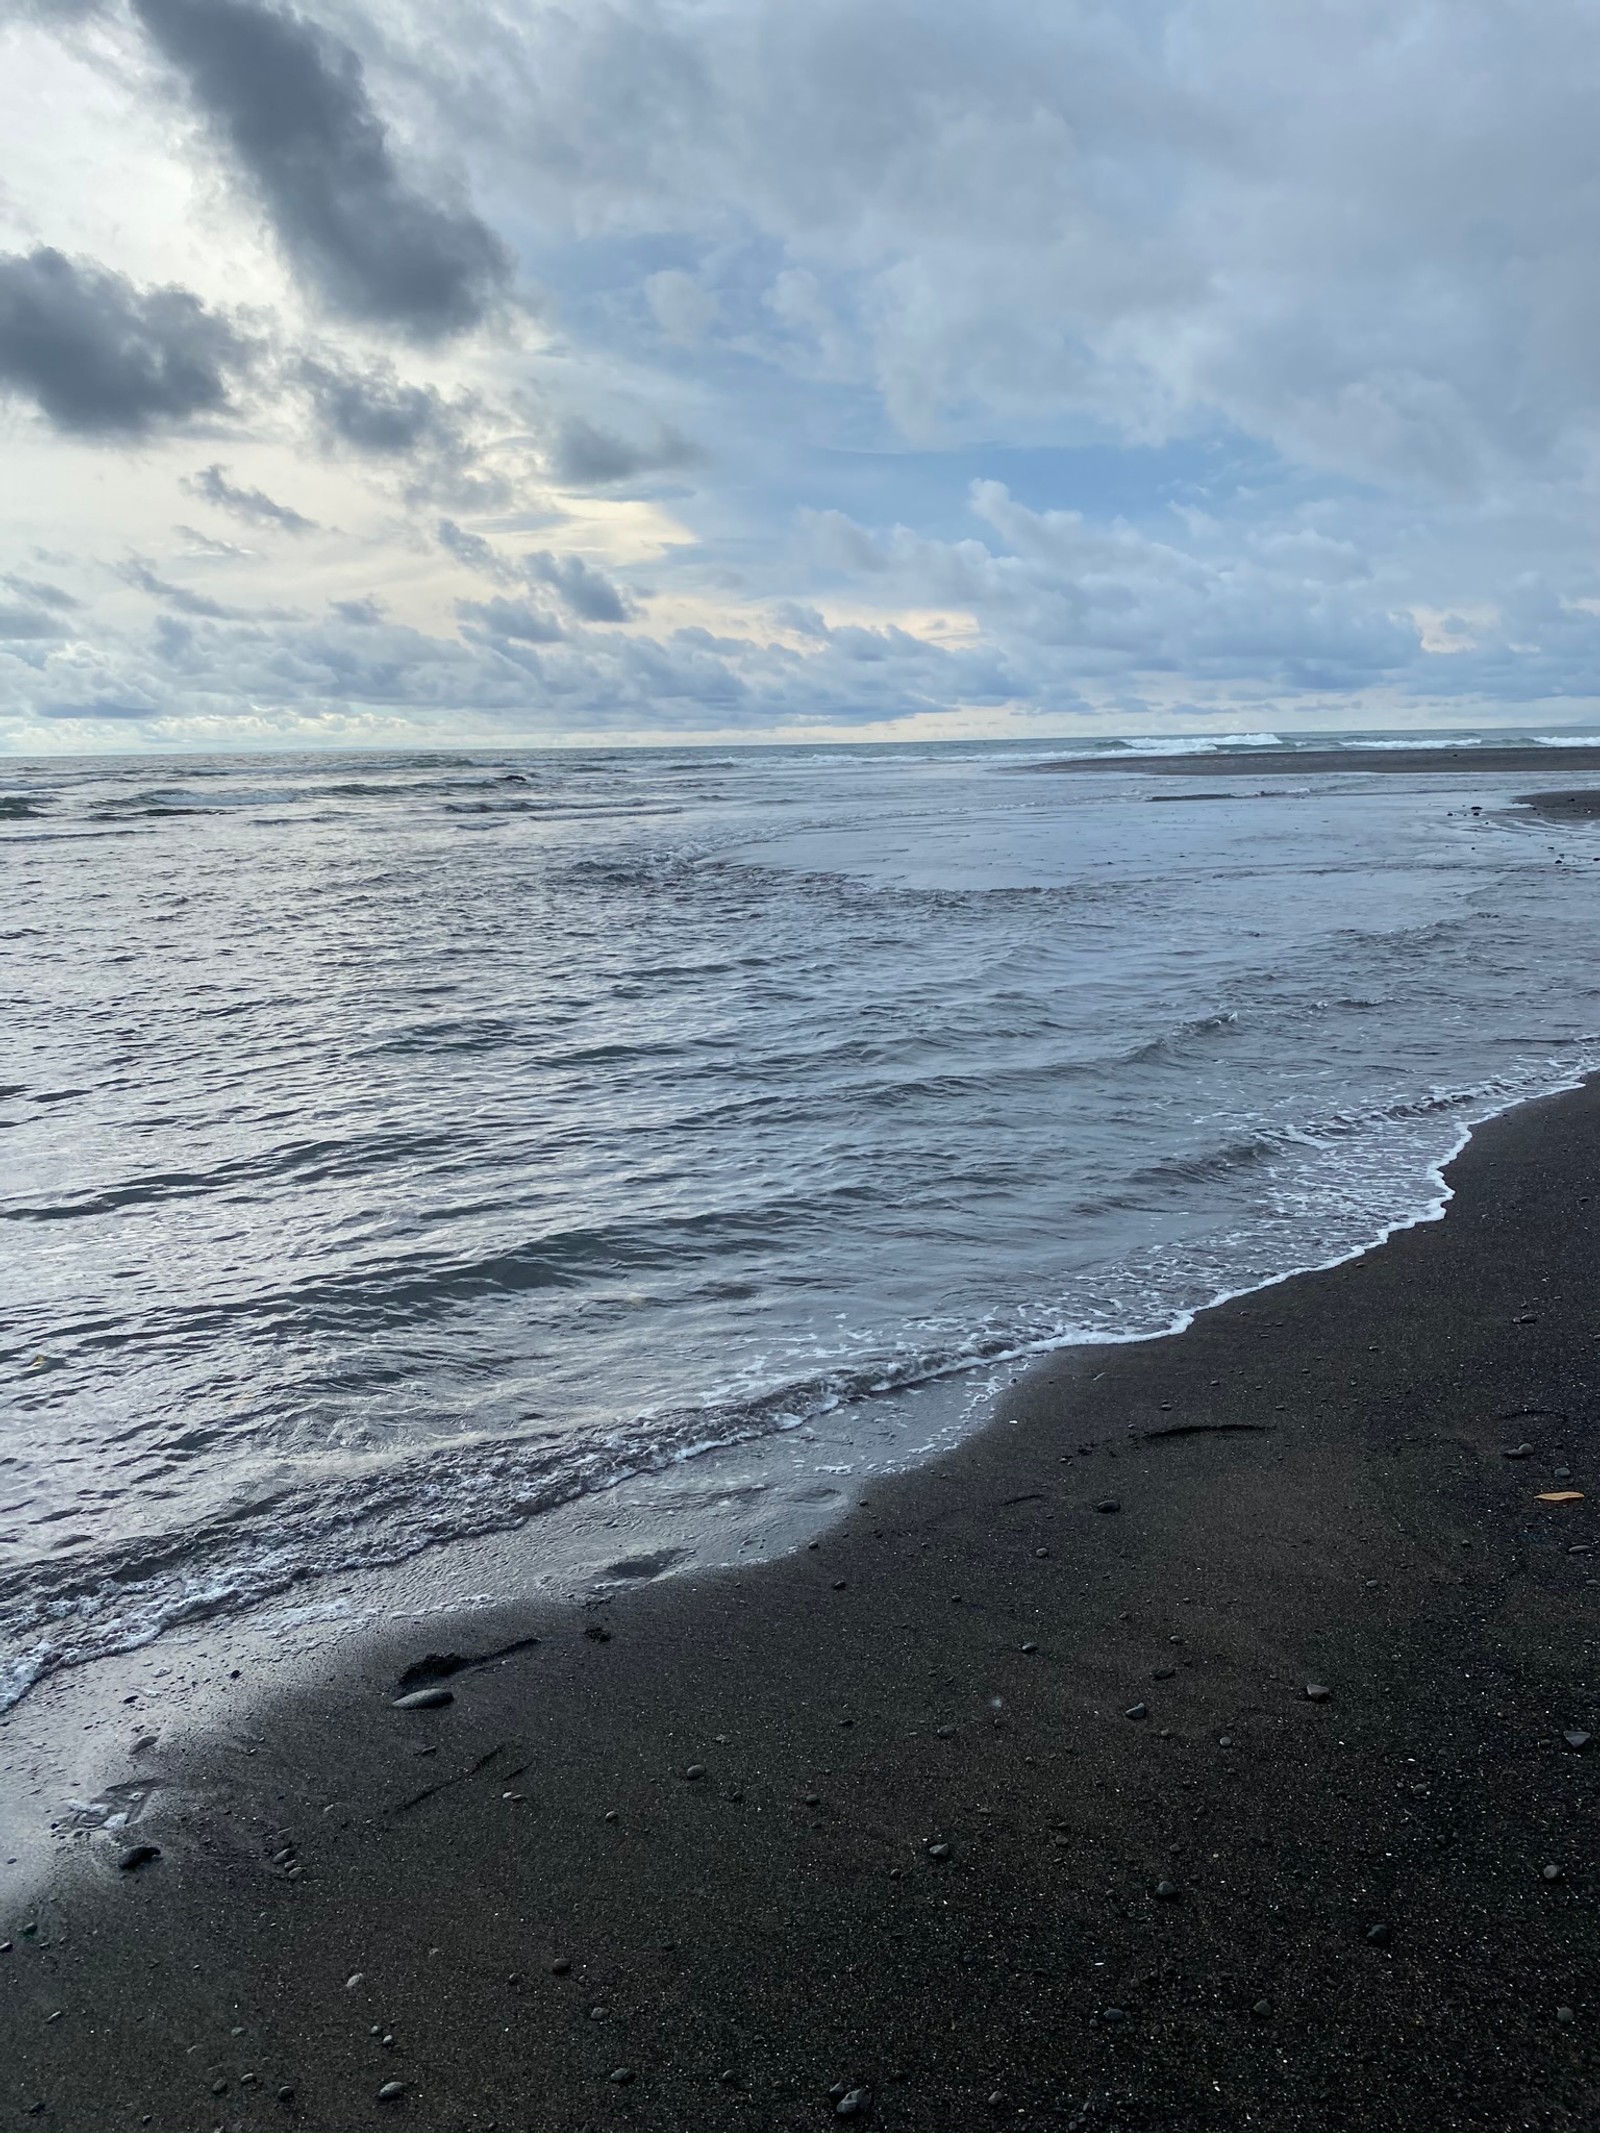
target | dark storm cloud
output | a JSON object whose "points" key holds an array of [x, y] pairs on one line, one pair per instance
{"points": [[511, 618], [584, 457], [588, 592], [373, 412], [290, 105], [102, 358], [212, 486]]}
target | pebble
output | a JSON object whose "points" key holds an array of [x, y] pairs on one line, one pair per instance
{"points": [[286, 2095], [355, 1978], [695, 1770], [1576, 1739], [1316, 1692], [391, 2092], [729, 2077], [1226, 1741], [1517, 1451], [1136, 1710], [622, 2075], [1262, 2007], [560, 1965], [425, 1700], [852, 2103], [1563, 1473], [1163, 1673], [813, 1799], [1378, 1935], [997, 2100], [1108, 1503], [138, 1855], [1166, 1890], [1564, 2014], [938, 1851], [598, 2014], [1042, 1553], [1551, 1873], [946, 1732], [1113, 2014], [1030, 1647]]}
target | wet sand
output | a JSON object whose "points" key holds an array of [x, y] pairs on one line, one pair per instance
{"points": [[996, 1807], [1246, 763], [1583, 805]]}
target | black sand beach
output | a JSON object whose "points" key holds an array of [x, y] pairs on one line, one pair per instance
{"points": [[999, 1807]]}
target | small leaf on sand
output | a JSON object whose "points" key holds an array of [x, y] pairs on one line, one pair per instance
{"points": [[1559, 1496]]}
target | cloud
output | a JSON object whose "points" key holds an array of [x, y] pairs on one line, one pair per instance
{"points": [[362, 614], [212, 486], [288, 101], [19, 623], [51, 596], [589, 593], [475, 552], [103, 359], [584, 457], [512, 618]]}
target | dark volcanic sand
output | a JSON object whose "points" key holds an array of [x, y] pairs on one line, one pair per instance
{"points": [[1315, 762], [781, 1920], [1580, 806]]}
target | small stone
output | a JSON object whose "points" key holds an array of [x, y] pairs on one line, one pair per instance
{"points": [[286, 2094], [138, 1855], [1316, 1692], [1379, 1936], [433, 1699], [610, 1815], [694, 1771], [219, 2088], [1163, 1673], [1136, 1710], [1564, 2015], [622, 2075], [1166, 1891], [997, 2100], [249, 2081], [938, 1851], [945, 1732], [1262, 2007], [598, 2014], [1041, 1553], [560, 1965], [729, 2078], [852, 2103], [1030, 1647], [1108, 1503], [1563, 1473], [812, 1799], [391, 2092], [355, 1978], [1226, 1741], [1113, 2014], [1576, 1739], [1551, 1873], [1517, 1451]]}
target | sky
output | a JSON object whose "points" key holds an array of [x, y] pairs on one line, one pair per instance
{"points": [[380, 374]]}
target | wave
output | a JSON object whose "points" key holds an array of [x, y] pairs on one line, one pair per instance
{"points": [[64, 1614]]}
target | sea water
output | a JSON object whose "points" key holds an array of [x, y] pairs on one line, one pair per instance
{"points": [[396, 1147]]}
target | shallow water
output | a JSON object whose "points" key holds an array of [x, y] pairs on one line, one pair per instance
{"points": [[399, 1145]]}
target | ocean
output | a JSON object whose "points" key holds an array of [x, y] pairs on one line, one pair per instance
{"points": [[398, 1146]]}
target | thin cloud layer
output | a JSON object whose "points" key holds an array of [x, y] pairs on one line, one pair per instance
{"points": [[254, 506]]}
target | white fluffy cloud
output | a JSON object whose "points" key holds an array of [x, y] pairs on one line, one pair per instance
{"points": [[782, 368]]}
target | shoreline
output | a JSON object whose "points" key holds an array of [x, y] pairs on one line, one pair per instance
{"points": [[1312, 1489], [1318, 762]]}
